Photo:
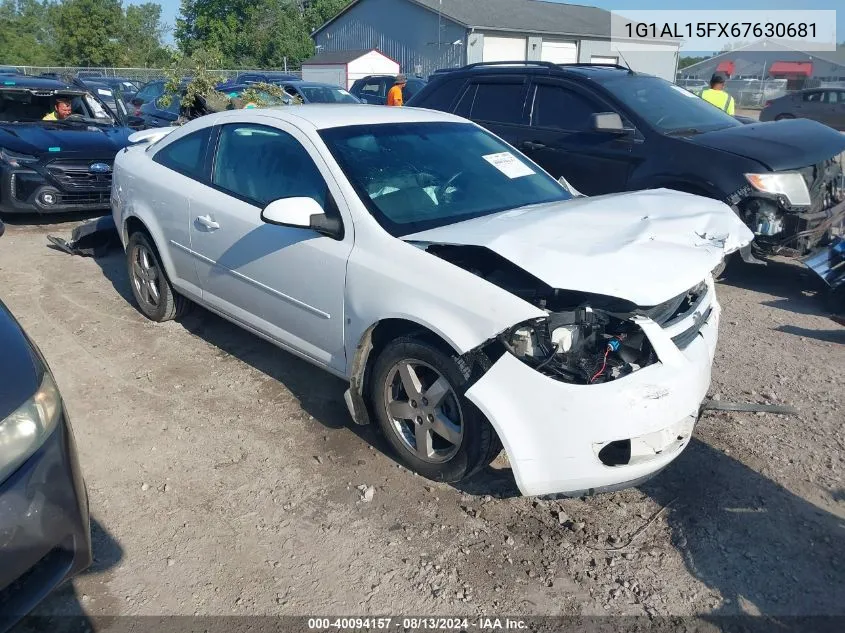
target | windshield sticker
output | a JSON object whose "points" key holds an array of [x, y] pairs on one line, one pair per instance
{"points": [[101, 91], [9, 83], [54, 149], [684, 91], [509, 165]]}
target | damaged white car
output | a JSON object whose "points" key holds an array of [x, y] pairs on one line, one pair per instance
{"points": [[468, 299]]}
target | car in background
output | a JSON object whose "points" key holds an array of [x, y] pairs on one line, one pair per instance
{"points": [[150, 91], [56, 166], [373, 89], [608, 129], [695, 86], [373, 242], [10, 70], [256, 78], [825, 105], [88, 74], [158, 113], [312, 92], [126, 87], [44, 522]]}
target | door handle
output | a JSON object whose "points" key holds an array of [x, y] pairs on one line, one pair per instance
{"points": [[533, 145], [208, 223]]}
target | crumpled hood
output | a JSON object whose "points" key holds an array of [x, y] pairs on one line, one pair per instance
{"points": [[91, 140], [778, 145], [645, 247]]}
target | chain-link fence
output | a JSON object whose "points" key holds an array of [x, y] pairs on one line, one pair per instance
{"points": [[141, 75], [753, 94]]}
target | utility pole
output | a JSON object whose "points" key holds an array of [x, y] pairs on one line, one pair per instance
{"points": [[439, 22]]}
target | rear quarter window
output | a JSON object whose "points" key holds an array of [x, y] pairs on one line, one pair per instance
{"points": [[439, 95]]}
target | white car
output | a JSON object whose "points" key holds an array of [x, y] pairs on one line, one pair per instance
{"points": [[471, 300]]}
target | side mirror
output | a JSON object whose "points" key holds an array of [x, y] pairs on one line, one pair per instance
{"points": [[609, 122], [303, 213]]}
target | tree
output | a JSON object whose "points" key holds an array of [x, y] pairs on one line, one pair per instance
{"points": [[26, 36], [253, 33], [89, 32], [684, 62], [142, 35]]}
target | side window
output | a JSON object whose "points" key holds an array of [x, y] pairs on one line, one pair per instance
{"points": [[559, 108], [813, 97], [441, 96], [499, 102], [371, 88], [262, 164], [187, 155], [464, 107], [412, 88], [833, 96]]}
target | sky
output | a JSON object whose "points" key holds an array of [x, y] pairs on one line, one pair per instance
{"points": [[170, 8]]}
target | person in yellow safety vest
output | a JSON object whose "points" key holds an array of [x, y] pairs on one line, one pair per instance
{"points": [[717, 96]]}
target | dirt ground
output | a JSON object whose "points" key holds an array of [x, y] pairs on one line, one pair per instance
{"points": [[222, 475]]}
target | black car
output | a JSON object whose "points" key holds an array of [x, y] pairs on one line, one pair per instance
{"points": [[51, 166], [373, 89], [313, 92], [45, 535], [607, 129]]}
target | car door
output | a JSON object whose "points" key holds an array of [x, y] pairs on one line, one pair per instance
{"points": [[287, 283], [498, 104], [811, 105], [834, 109], [562, 139], [175, 177]]}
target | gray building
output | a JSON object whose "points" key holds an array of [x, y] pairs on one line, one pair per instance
{"points": [[424, 35], [798, 68]]}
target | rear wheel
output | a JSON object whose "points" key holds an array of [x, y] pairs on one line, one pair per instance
{"points": [[417, 395], [153, 292], [783, 117]]}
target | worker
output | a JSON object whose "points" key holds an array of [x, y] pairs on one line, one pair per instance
{"points": [[394, 95], [62, 109], [717, 96]]}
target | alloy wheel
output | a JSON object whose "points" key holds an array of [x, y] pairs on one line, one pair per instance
{"points": [[145, 276], [424, 411]]}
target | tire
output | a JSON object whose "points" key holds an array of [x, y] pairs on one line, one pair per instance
{"points": [[783, 117], [154, 294], [472, 442]]}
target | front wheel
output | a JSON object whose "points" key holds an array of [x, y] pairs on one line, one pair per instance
{"points": [[417, 395], [155, 296]]}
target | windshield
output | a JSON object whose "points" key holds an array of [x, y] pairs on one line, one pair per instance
{"points": [[29, 106], [418, 176], [327, 94], [668, 107]]}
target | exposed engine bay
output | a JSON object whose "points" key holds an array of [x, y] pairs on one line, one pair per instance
{"points": [[809, 210], [585, 338]]}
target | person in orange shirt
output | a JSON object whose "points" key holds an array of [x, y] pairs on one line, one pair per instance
{"points": [[394, 95]]}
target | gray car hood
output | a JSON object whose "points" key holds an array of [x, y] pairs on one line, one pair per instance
{"points": [[645, 247]]}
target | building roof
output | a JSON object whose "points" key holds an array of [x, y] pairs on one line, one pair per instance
{"points": [[834, 57], [338, 57], [532, 16]]}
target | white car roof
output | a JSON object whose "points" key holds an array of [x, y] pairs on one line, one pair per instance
{"points": [[323, 116]]}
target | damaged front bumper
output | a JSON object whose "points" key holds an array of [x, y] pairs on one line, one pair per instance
{"points": [[571, 439]]}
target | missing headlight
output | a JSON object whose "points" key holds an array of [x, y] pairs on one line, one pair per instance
{"points": [[582, 346]]}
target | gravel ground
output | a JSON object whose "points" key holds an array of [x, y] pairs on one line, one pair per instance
{"points": [[224, 475]]}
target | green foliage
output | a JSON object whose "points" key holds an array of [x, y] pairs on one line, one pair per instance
{"points": [[254, 33], [199, 67], [88, 32], [684, 62], [81, 33], [26, 33]]}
